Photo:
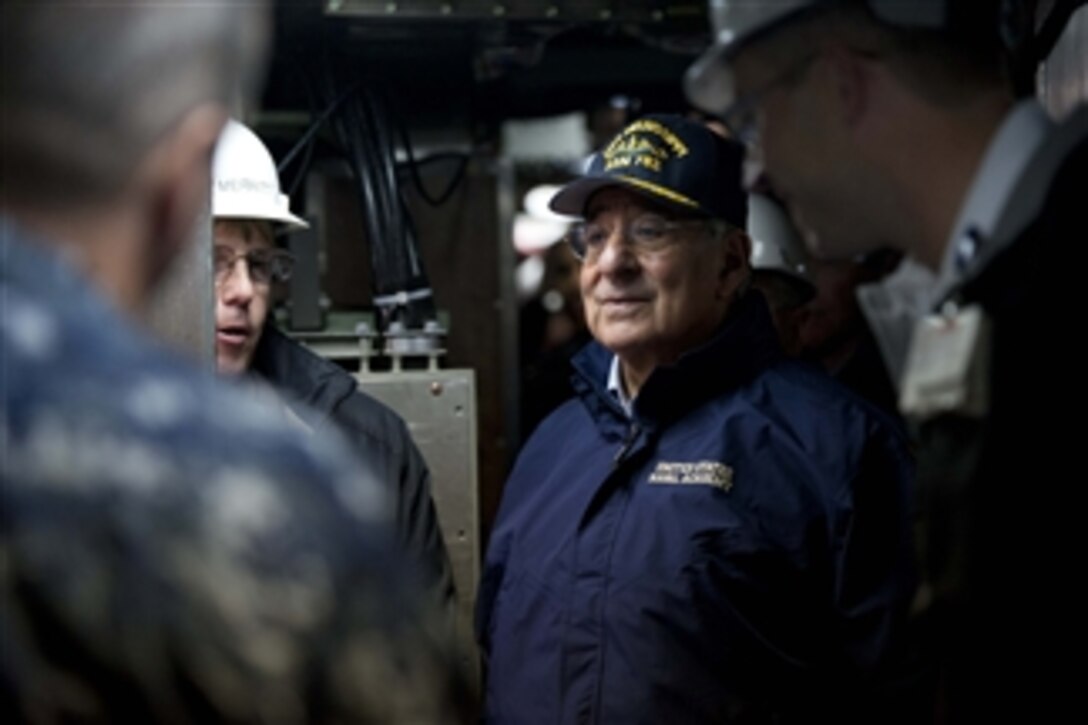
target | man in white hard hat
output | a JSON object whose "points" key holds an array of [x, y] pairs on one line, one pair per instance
{"points": [[249, 212], [885, 123], [778, 269], [171, 552]]}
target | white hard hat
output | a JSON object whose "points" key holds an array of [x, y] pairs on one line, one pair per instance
{"points": [[245, 184], [776, 244], [709, 81]]}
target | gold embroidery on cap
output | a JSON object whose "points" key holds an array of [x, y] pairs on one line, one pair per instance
{"points": [[644, 143], [659, 190]]}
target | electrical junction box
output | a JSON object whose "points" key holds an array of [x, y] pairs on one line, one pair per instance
{"points": [[439, 407]]}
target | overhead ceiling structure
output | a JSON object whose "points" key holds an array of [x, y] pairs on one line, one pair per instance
{"points": [[474, 64]]}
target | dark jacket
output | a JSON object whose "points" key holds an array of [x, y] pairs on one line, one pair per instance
{"points": [[324, 394], [738, 551], [1002, 496]]}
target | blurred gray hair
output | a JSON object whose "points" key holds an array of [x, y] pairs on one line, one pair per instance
{"points": [[88, 88]]}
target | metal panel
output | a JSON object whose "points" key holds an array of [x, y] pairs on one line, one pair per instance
{"points": [[439, 407], [643, 11]]}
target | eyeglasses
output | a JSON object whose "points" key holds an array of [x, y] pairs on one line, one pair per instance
{"points": [[648, 234], [263, 265], [740, 118]]}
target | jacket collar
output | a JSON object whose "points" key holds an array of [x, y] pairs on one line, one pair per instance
{"points": [[745, 344], [1014, 145], [321, 385]]}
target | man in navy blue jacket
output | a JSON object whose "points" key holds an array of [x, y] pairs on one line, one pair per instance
{"points": [[708, 532]]}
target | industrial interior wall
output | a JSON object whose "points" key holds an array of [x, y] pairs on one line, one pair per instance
{"points": [[461, 246]]}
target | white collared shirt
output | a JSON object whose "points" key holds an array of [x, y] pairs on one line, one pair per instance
{"points": [[617, 388]]}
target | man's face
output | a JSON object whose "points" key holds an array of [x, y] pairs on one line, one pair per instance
{"points": [[833, 314], [802, 146], [241, 302], [651, 306]]}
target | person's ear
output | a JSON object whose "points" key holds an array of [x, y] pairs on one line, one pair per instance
{"points": [[734, 265], [175, 178], [851, 75], [738, 250]]}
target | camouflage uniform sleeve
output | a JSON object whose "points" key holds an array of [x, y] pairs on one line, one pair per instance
{"points": [[171, 552]]}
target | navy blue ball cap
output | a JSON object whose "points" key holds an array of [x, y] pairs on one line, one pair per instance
{"points": [[673, 161]]}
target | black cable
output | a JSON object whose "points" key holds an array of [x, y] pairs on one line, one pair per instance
{"points": [[363, 125], [384, 154], [315, 126], [388, 247], [417, 180], [311, 104], [373, 204], [416, 310], [370, 215]]}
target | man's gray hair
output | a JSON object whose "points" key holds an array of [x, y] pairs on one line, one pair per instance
{"points": [[88, 88]]}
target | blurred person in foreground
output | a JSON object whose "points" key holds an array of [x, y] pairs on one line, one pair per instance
{"points": [[708, 532], [777, 261], [172, 550], [887, 124]]}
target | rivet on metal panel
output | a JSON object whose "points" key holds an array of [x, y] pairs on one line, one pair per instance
{"points": [[459, 410], [436, 388]]}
